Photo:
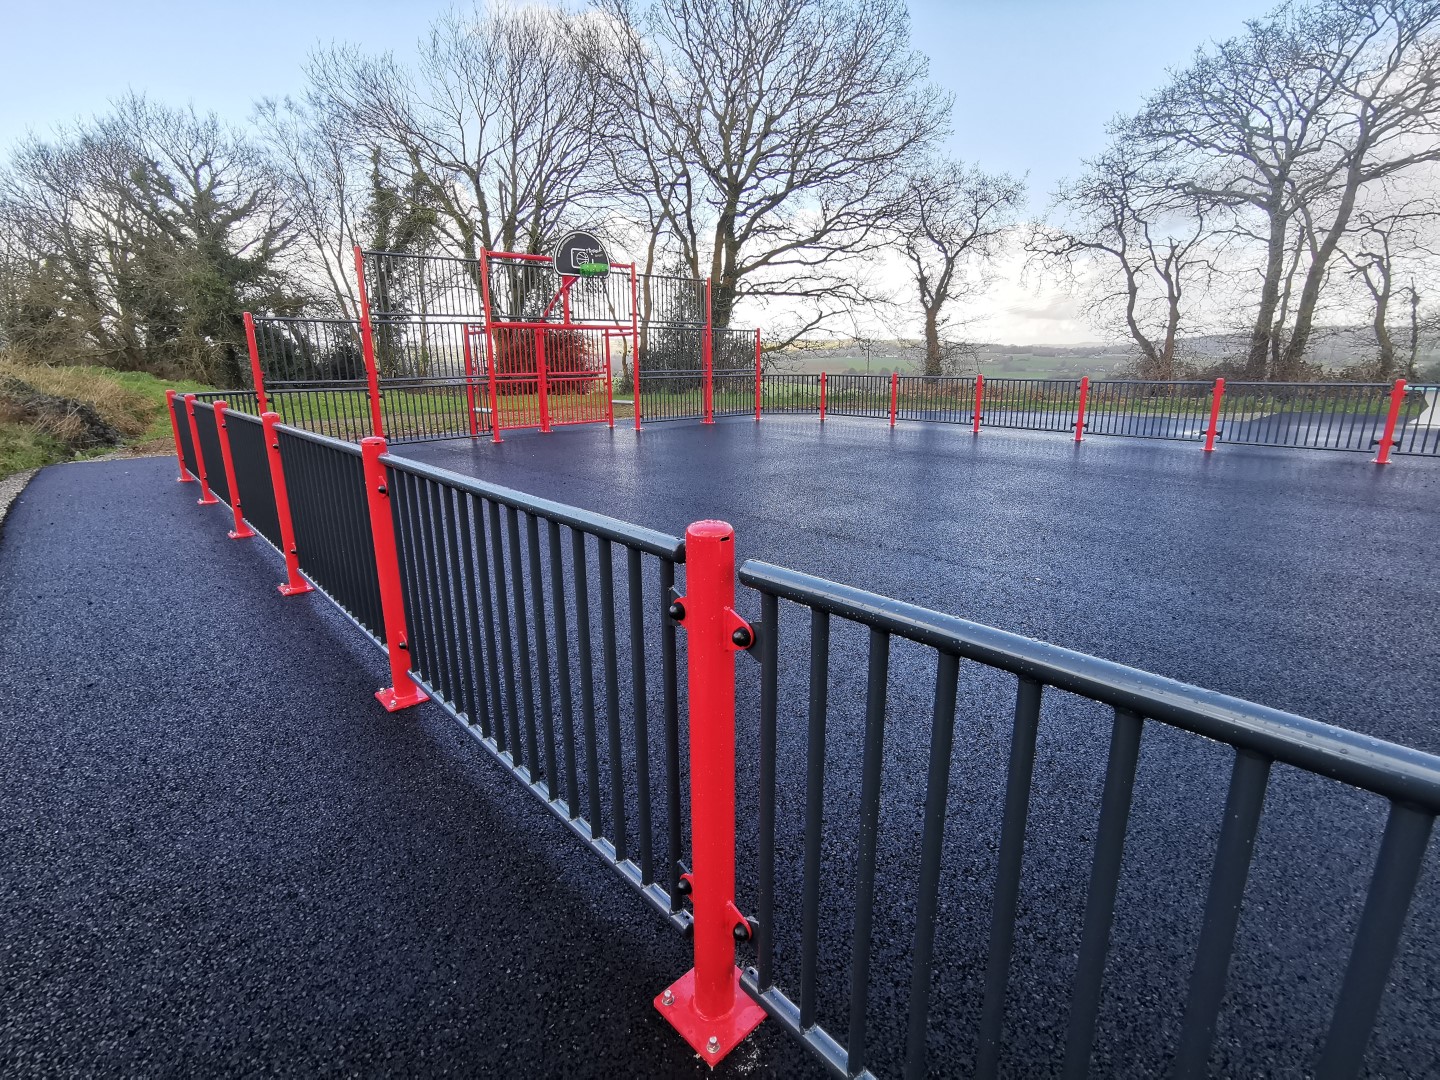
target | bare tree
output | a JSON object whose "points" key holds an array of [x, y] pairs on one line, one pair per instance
{"points": [[1377, 251], [321, 174], [952, 221], [1284, 127], [1136, 245], [496, 123], [770, 134]]}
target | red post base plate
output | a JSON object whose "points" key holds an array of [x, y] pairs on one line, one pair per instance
{"points": [[234, 535], [211, 501], [394, 701], [728, 1031], [286, 589]]}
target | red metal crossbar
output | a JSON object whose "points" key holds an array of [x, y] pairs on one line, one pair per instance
{"points": [[1079, 407], [1387, 440]]}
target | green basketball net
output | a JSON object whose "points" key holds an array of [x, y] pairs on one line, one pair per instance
{"points": [[594, 269]]}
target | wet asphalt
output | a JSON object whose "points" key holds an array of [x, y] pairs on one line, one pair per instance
{"points": [[224, 858]]}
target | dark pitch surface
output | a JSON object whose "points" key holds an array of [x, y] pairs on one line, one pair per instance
{"points": [[221, 857], [1302, 580]]}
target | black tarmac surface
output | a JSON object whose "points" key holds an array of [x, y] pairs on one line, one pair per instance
{"points": [[1302, 580], [218, 856], [222, 857]]}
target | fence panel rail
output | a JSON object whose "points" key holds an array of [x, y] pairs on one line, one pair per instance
{"points": [[520, 623], [326, 483]]}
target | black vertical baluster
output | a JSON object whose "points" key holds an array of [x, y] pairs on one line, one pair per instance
{"points": [[562, 661], [612, 697], [522, 642], [1397, 868], [587, 679], [1007, 873], [769, 701], [461, 608], [869, 834], [403, 506], [542, 645], [670, 678], [636, 583], [477, 617], [1100, 903], [439, 590], [937, 789], [1222, 910], [502, 603]]}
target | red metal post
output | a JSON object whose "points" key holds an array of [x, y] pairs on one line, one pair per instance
{"points": [[542, 381], [294, 584], [492, 360], [635, 346], [207, 497], [822, 397], [470, 381], [402, 691], [706, 1005], [1080, 407], [367, 347], [894, 394], [241, 531], [609, 386], [1215, 399], [184, 477], [707, 361], [257, 376], [759, 381], [979, 399], [1387, 440]]}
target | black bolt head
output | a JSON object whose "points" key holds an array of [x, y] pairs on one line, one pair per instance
{"points": [[741, 931], [677, 611], [742, 637]]}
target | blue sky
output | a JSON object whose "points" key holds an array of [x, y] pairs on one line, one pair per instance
{"points": [[1034, 80]]}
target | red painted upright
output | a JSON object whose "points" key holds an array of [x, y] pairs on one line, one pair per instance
{"points": [[402, 691], [294, 583], [1080, 407], [207, 497], [822, 397], [242, 531], [469, 381], [1216, 396], [1387, 440], [635, 346], [184, 477], [706, 1005], [257, 375], [979, 400], [367, 347], [894, 395]]}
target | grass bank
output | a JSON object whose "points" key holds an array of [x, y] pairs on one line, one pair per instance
{"points": [[50, 414]]}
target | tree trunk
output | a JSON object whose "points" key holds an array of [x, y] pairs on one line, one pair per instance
{"points": [[1294, 354], [932, 342], [1257, 357], [1382, 332]]}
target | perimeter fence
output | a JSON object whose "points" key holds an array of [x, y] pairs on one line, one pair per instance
{"points": [[550, 633], [1380, 418]]}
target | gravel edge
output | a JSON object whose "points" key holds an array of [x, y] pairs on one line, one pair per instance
{"points": [[10, 489]]}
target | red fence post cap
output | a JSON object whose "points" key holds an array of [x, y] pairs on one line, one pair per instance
{"points": [[709, 529]]}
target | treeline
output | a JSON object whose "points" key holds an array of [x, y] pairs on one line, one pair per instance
{"points": [[1284, 179], [790, 150]]}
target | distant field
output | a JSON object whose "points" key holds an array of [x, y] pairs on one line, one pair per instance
{"points": [[1016, 365]]}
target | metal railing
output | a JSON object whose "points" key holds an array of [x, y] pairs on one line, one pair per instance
{"points": [[511, 613], [514, 622], [1260, 737], [1325, 416]]}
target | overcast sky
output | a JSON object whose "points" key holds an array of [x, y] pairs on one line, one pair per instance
{"points": [[1034, 80]]}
